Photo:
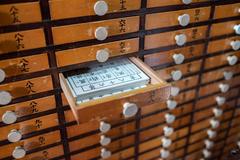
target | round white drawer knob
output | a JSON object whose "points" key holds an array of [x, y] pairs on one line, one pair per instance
{"points": [[178, 58], [101, 33], [18, 153], [5, 97], [168, 131], [130, 109], [9, 117], [217, 112], [214, 123], [206, 153], [105, 153], [187, 1], [176, 75], [238, 144], [181, 39], [175, 91], [2, 75], [104, 127], [235, 45], [100, 8], [232, 60], [237, 29], [184, 20], [166, 142], [169, 118], [102, 55], [208, 144], [14, 136], [211, 134], [228, 75], [171, 104], [104, 141], [224, 87], [220, 100], [164, 153]]}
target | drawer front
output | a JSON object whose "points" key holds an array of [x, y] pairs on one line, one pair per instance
{"points": [[153, 3], [30, 126], [31, 143], [225, 11], [29, 64], [87, 31], [28, 87], [86, 54], [20, 13], [22, 40], [224, 28], [168, 56], [61, 9], [166, 19], [168, 38]]}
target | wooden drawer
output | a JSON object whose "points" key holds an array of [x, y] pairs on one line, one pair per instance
{"points": [[29, 107], [172, 56], [224, 28], [221, 45], [23, 40], [168, 38], [225, 11], [31, 143], [26, 87], [186, 83], [185, 69], [61, 9], [29, 64], [171, 18], [30, 126], [153, 3], [86, 54], [87, 31], [19, 13], [102, 109]]}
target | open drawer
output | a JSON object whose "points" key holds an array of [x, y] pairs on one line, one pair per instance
{"points": [[121, 104]]}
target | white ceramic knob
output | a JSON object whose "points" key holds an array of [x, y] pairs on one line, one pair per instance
{"points": [[104, 127], [171, 104], [175, 91], [167, 131], [237, 28], [217, 112], [227, 75], [220, 100], [166, 142], [178, 58], [176, 75], [100, 8], [2, 75], [184, 20], [101, 33], [238, 144], [169, 118], [5, 98], [102, 55], [232, 60], [211, 134], [206, 153], [105, 153], [235, 45], [180, 39], [214, 123], [104, 141], [224, 87], [9, 117], [18, 152], [14, 136], [129, 109], [187, 1], [164, 153], [209, 144]]}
